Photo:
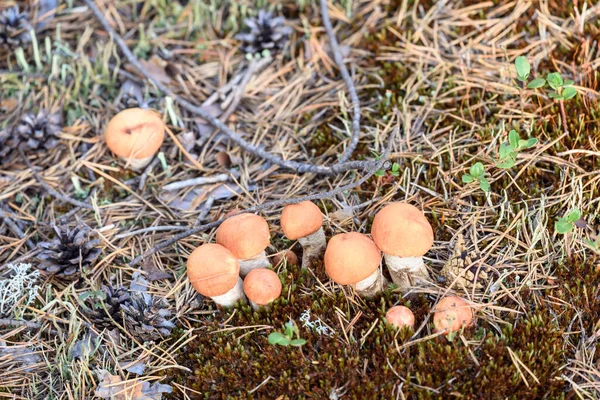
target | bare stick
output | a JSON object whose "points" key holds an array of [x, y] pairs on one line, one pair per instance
{"points": [[257, 151], [205, 210], [15, 322], [339, 60], [50, 190], [271, 204], [151, 229], [197, 181], [15, 228]]}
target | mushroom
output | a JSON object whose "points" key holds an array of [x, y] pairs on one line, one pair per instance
{"points": [[400, 316], [303, 221], [135, 135], [262, 286], [354, 259], [214, 272], [288, 256], [404, 236], [452, 314], [246, 236]]}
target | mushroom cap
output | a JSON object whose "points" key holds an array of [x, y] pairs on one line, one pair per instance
{"points": [[245, 235], [300, 220], [451, 314], [262, 286], [351, 257], [400, 316], [212, 270], [402, 230], [135, 133], [289, 256]]}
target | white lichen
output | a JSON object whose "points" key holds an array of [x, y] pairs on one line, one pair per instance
{"points": [[317, 325], [20, 284]]}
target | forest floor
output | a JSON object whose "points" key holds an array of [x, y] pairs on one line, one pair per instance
{"points": [[440, 74]]}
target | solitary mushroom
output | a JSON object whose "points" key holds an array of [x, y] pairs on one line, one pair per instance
{"points": [[135, 135], [246, 236], [214, 272], [303, 221], [262, 286], [354, 259], [400, 316], [404, 236], [452, 314]]}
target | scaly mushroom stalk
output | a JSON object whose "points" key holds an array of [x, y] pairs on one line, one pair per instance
{"points": [[259, 261], [372, 285], [231, 297], [406, 272]]}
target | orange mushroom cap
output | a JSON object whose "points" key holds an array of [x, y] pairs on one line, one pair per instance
{"points": [[245, 235], [262, 286], [135, 133], [351, 257], [400, 316], [289, 256], [402, 230], [300, 220], [212, 270], [451, 314]]}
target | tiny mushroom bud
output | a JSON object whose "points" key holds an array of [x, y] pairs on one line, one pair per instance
{"points": [[246, 236], [400, 316], [354, 259], [303, 221], [404, 236], [135, 135], [452, 314], [214, 272], [288, 256], [262, 286]]}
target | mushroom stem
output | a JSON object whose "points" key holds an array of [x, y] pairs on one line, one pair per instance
{"points": [[406, 271], [313, 246], [136, 164], [255, 306], [235, 294], [259, 261], [372, 285]]}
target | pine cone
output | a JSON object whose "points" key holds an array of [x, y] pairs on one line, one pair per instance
{"points": [[39, 131], [113, 299], [14, 27], [69, 253], [146, 317], [266, 33]]}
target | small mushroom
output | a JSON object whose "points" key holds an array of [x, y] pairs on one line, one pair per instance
{"points": [[288, 256], [404, 236], [400, 316], [452, 314], [246, 236], [304, 221], [214, 272], [354, 259], [135, 135], [262, 286]]}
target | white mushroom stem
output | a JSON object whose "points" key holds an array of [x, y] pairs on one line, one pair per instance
{"points": [[406, 271], [230, 298], [313, 246], [371, 285], [137, 164], [259, 261], [257, 306]]}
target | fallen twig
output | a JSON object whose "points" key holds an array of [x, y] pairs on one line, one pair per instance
{"points": [[197, 181], [276, 203], [256, 150], [15, 228]]}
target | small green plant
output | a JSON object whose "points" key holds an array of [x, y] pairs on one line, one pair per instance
{"points": [[509, 150], [477, 174], [287, 337], [562, 88], [566, 223]]}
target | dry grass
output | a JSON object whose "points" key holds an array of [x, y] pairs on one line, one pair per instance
{"points": [[448, 69]]}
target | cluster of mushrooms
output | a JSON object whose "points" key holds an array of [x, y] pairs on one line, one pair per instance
{"points": [[236, 266]]}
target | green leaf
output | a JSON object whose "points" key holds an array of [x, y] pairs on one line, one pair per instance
{"points": [[506, 163], [574, 215], [526, 144], [484, 185], [466, 178], [555, 96], [277, 338], [561, 226], [555, 80], [569, 92], [592, 244], [505, 151], [513, 139], [523, 68], [380, 172], [395, 173], [568, 82], [395, 167], [298, 342], [477, 170], [536, 83]]}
